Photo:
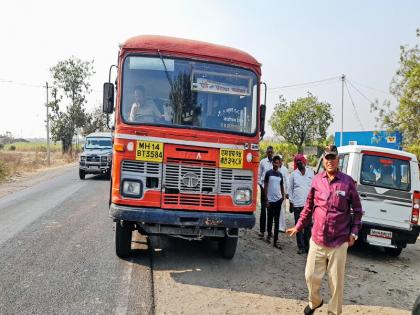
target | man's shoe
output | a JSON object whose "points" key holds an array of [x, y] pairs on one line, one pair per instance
{"points": [[261, 235], [310, 311], [301, 251], [277, 245], [268, 239]]}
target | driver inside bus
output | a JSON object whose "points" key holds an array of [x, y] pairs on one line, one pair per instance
{"points": [[143, 108]]}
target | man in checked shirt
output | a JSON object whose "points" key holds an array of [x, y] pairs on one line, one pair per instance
{"points": [[334, 205]]}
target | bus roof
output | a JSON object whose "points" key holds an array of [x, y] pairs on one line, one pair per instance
{"points": [[165, 44]]}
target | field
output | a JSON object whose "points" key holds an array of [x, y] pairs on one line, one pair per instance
{"points": [[25, 157]]}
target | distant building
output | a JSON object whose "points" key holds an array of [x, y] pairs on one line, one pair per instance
{"points": [[385, 139]]}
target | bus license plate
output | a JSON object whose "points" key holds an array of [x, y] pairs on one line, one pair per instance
{"points": [[231, 158], [149, 151]]}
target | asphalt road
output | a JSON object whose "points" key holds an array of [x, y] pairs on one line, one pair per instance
{"points": [[57, 253], [57, 257]]}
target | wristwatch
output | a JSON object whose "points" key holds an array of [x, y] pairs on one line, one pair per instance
{"points": [[355, 236]]}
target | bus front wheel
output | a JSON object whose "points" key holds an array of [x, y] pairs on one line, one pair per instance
{"points": [[123, 234]]}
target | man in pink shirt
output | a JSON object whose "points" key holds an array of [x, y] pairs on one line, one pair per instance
{"points": [[334, 206]]}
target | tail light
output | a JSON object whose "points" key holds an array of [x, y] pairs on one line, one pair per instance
{"points": [[416, 208]]}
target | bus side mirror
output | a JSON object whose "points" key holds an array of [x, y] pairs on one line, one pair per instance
{"points": [[262, 120], [108, 100]]}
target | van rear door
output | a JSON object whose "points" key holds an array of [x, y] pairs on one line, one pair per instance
{"points": [[385, 189]]}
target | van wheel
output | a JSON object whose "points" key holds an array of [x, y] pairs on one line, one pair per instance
{"points": [[227, 245], [394, 252], [123, 233], [82, 174]]}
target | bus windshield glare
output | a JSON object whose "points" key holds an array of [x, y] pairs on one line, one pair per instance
{"points": [[177, 92]]}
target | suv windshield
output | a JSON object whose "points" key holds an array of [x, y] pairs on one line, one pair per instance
{"points": [[385, 172], [98, 143], [188, 93]]}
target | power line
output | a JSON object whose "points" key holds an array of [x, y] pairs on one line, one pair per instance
{"points": [[369, 87], [364, 96], [20, 83], [303, 84], [354, 106]]}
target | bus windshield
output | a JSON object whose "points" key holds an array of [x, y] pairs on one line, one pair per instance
{"points": [[177, 92]]}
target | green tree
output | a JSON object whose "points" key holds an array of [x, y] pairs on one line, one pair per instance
{"points": [[71, 84], [302, 121], [95, 121], [405, 86]]}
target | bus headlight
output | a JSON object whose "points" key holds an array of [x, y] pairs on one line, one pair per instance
{"points": [[243, 196], [132, 188]]}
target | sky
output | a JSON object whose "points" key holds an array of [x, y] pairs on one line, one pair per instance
{"points": [[296, 41]]}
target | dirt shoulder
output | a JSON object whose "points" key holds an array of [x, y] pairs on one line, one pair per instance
{"points": [[28, 179], [190, 278]]}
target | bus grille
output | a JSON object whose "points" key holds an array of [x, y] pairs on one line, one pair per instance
{"points": [[176, 179], [187, 185], [190, 200], [140, 167], [233, 177]]}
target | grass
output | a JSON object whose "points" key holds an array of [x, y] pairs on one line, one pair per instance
{"points": [[19, 158], [32, 147]]}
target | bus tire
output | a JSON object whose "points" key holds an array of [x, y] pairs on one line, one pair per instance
{"points": [[123, 234], [227, 245]]}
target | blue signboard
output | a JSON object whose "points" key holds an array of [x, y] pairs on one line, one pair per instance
{"points": [[385, 139]]}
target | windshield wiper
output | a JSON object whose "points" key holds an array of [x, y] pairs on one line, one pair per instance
{"points": [[166, 71]]}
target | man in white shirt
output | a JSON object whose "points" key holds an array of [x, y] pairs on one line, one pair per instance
{"points": [[285, 173], [143, 109], [299, 186], [266, 164]]}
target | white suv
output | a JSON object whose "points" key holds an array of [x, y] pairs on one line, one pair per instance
{"points": [[389, 188]]}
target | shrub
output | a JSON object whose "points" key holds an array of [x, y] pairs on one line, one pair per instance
{"points": [[4, 171], [287, 150], [1, 146], [12, 148]]}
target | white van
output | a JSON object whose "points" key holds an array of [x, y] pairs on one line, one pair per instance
{"points": [[389, 188]]}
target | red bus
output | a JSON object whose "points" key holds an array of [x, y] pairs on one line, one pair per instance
{"points": [[188, 121]]}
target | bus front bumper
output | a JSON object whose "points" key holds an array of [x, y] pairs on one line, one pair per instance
{"points": [[182, 218]]}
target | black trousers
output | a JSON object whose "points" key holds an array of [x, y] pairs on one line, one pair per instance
{"points": [[302, 237], [263, 213], [274, 213]]}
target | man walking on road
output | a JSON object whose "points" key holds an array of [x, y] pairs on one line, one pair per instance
{"points": [[266, 164], [335, 228], [299, 185], [274, 192]]}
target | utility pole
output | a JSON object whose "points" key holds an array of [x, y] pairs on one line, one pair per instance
{"points": [[48, 130], [343, 77]]}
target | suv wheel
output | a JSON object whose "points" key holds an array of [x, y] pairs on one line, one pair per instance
{"points": [[227, 245], [394, 252], [82, 174], [123, 233]]}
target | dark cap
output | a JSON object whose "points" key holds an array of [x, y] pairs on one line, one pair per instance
{"points": [[330, 150]]}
